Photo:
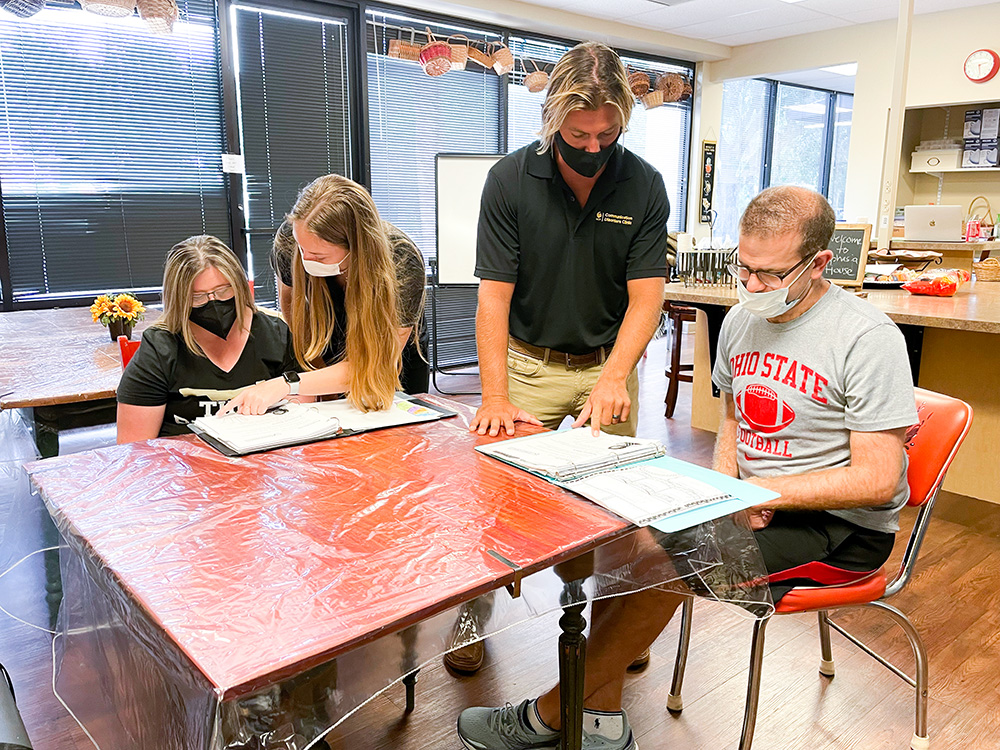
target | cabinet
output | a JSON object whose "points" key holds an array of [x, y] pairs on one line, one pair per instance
{"points": [[952, 186]]}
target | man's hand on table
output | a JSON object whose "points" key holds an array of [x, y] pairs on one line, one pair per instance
{"points": [[497, 413]]}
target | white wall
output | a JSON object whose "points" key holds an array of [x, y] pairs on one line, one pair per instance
{"points": [[940, 44]]}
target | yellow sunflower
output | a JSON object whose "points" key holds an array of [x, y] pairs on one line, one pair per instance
{"points": [[128, 308], [101, 308]]}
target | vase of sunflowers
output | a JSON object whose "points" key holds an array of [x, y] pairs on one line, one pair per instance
{"points": [[119, 312]]}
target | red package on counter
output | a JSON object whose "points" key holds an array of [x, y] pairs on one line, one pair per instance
{"points": [[943, 283]]}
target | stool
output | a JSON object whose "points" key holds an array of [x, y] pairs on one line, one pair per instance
{"points": [[676, 372]]}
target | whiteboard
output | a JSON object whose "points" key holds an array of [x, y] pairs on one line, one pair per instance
{"points": [[459, 188]]}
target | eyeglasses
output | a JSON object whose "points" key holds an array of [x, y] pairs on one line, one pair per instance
{"points": [[767, 278], [223, 292]]}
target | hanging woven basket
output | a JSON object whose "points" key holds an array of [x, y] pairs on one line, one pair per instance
{"points": [[22, 8], [503, 60], [672, 86], [638, 82], [435, 56], [537, 79], [159, 15], [688, 90], [111, 8], [403, 49], [652, 99], [480, 57], [459, 51]]}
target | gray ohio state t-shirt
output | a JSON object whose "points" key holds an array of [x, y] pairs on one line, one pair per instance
{"points": [[803, 386]]}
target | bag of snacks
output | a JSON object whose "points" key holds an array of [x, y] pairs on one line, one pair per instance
{"points": [[940, 283]]}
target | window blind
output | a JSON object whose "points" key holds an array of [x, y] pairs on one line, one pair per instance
{"points": [[295, 118], [412, 118], [110, 143]]}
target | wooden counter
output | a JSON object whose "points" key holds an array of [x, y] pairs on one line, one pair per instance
{"points": [[960, 357]]}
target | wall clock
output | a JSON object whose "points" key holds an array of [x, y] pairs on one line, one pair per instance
{"points": [[982, 65]]}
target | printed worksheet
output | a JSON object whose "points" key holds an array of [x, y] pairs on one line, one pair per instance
{"points": [[571, 453], [644, 494]]}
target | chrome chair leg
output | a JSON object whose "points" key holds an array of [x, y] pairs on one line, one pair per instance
{"points": [[753, 683], [675, 703], [826, 666], [919, 740]]}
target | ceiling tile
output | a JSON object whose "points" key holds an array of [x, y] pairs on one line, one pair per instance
{"points": [[604, 9], [751, 36], [698, 11], [763, 19], [842, 8], [935, 6]]}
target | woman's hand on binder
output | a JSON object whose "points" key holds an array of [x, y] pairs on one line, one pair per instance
{"points": [[495, 414], [257, 399]]}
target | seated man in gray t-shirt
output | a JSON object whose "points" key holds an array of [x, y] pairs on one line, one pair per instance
{"points": [[817, 395]]}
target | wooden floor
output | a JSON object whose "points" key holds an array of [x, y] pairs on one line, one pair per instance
{"points": [[954, 601]]}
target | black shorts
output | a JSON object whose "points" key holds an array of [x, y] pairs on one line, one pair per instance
{"points": [[816, 548]]}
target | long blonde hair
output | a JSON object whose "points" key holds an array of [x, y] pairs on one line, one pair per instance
{"points": [[587, 77], [341, 212], [184, 262]]}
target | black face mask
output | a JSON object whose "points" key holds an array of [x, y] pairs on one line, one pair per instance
{"points": [[216, 316], [583, 162]]}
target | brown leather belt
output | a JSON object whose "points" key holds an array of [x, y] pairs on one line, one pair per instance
{"points": [[596, 357]]}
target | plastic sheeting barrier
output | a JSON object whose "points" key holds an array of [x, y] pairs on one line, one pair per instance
{"points": [[255, 602]]}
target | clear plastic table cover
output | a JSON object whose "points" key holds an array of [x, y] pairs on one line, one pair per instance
{"points": [[255, 602]]}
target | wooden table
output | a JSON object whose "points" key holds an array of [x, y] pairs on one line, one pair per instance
{"points": [[63, 366], [954, 348], [237, 574]]}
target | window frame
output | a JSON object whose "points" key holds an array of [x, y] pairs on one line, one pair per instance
{"points": [[772, 116]]}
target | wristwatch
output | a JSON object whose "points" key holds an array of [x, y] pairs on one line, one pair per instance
{"points": [[292, 378]]}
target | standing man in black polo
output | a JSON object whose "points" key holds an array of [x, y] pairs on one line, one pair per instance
{"points": [[571, 255]]}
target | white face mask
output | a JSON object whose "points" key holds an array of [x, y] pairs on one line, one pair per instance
{"points": [[773, 303], [315, 268]]}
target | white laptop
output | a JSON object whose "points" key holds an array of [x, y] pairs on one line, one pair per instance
{"points": [[932, 223]]}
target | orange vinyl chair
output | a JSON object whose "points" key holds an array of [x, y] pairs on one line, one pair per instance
{"points": [[128, 349], [931, 446]]}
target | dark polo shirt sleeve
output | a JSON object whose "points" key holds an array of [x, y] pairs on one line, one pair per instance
{"points": [[648, 255], [497, 244]]}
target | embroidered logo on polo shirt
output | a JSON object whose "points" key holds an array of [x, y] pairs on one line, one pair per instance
{"points": [[609, 218]]}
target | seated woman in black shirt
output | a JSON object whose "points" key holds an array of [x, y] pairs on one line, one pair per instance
{"points": [[355, 305], [210, 343]]}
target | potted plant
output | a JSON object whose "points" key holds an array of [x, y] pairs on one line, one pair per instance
{"points": [[118, 312]]}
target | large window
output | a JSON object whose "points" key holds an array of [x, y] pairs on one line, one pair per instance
{"points": [[413, 117], [110, 143], [776, 133]]}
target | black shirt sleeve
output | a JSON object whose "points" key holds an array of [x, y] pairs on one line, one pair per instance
{"points": [[647, 257], [281, 253], [497, 243], [147, 378], [411, 278]]}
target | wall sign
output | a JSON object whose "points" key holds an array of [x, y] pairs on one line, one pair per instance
{"points": [[707, 180], [850, 244]]}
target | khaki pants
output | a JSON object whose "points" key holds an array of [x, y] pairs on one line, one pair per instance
{"points": [[552, 391]]}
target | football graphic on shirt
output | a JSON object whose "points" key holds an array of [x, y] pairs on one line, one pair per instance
{"points": [[763, 410]]}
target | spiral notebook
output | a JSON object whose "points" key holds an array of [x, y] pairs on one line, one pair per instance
{"points": [[631, 477], [296, 424]]}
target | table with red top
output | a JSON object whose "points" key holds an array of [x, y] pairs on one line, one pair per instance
{"points": [[203, 580]]}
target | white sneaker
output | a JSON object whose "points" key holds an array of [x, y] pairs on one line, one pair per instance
{"points": [[504, 728]]}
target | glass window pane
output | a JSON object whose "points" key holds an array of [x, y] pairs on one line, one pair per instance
{"points": [[799, 137], [841, 145], [740, 153]]}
